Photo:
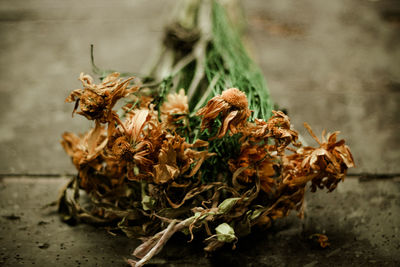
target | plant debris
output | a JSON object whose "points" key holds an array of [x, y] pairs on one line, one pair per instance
{"points": [[212, 157], [320, 239]]}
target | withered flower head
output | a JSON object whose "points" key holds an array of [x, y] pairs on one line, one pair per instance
{"points": [[96, 101], [86, 148], [175, 108], [176, 157], [235, 97], [86, 151], [278, 128], [177, 103], [255, 160], [122, 149], [232, 106], [325, 165]]}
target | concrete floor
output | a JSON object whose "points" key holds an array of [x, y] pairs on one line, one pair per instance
{"points": [[334, 64], [361, 220]]}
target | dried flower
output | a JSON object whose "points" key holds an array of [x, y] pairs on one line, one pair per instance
{"points": [[147, 170], [96, 101], [278, 127], [232, 106], [176, 157], [325, 166], [255, 161], [85, 151], [175, 109]]}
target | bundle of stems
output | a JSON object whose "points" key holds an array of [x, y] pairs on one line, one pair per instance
{"points": [[196, 146]]}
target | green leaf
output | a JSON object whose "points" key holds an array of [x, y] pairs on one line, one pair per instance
{"points": [[148, 202], [255, 214], [225, 233], [227, 204]]}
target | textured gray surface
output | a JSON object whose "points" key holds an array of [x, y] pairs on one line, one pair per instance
{"points": [[361, 220]]}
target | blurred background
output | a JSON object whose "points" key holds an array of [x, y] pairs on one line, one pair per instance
{"points": [[333, 64]]}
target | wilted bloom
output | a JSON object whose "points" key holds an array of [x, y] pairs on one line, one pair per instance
{"points": [[325, 166], [255, 161], [175, 108], [86, 148], [96, 101], [232, 106], [86, 151], [131, 144], [176, 157], [277, 127]]}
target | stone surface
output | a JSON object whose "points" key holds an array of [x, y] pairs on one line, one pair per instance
{"points": [[361, 219], [333, 64]]}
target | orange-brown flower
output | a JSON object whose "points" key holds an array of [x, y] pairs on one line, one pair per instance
{"points": [[176, 157], [96, 101], [232, 106], [135, 145], [85, 151], [277, 127], [177, 103], [325, 166], [86, 148], [255, 160], [175, 109]]}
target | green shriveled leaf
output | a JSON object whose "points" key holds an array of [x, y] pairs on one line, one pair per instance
{"points": [[148, 202], [227, 204], [255, 214], [225, 233]]}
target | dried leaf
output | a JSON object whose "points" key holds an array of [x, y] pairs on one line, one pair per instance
{"points": [[225, 233]]}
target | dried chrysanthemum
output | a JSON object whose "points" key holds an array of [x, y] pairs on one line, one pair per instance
{"points": [[277, 127], [232, 106], [255, 161], [176, 157], [131, 144], [175, 109], [96, 101], [325, 166], [86, 151]]}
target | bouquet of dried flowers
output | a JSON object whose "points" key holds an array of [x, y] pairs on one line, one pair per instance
{"points": [[211, 157]]}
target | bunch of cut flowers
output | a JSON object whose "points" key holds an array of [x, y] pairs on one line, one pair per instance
{"points": [[195, 145]]}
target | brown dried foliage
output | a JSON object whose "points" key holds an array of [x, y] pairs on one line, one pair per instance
{"points": [[143, 175]]}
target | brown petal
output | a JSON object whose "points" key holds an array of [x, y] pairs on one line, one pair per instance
{"points": [[226, 122]]}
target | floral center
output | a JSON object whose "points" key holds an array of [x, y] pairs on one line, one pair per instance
{"points": [[235, 97]]}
